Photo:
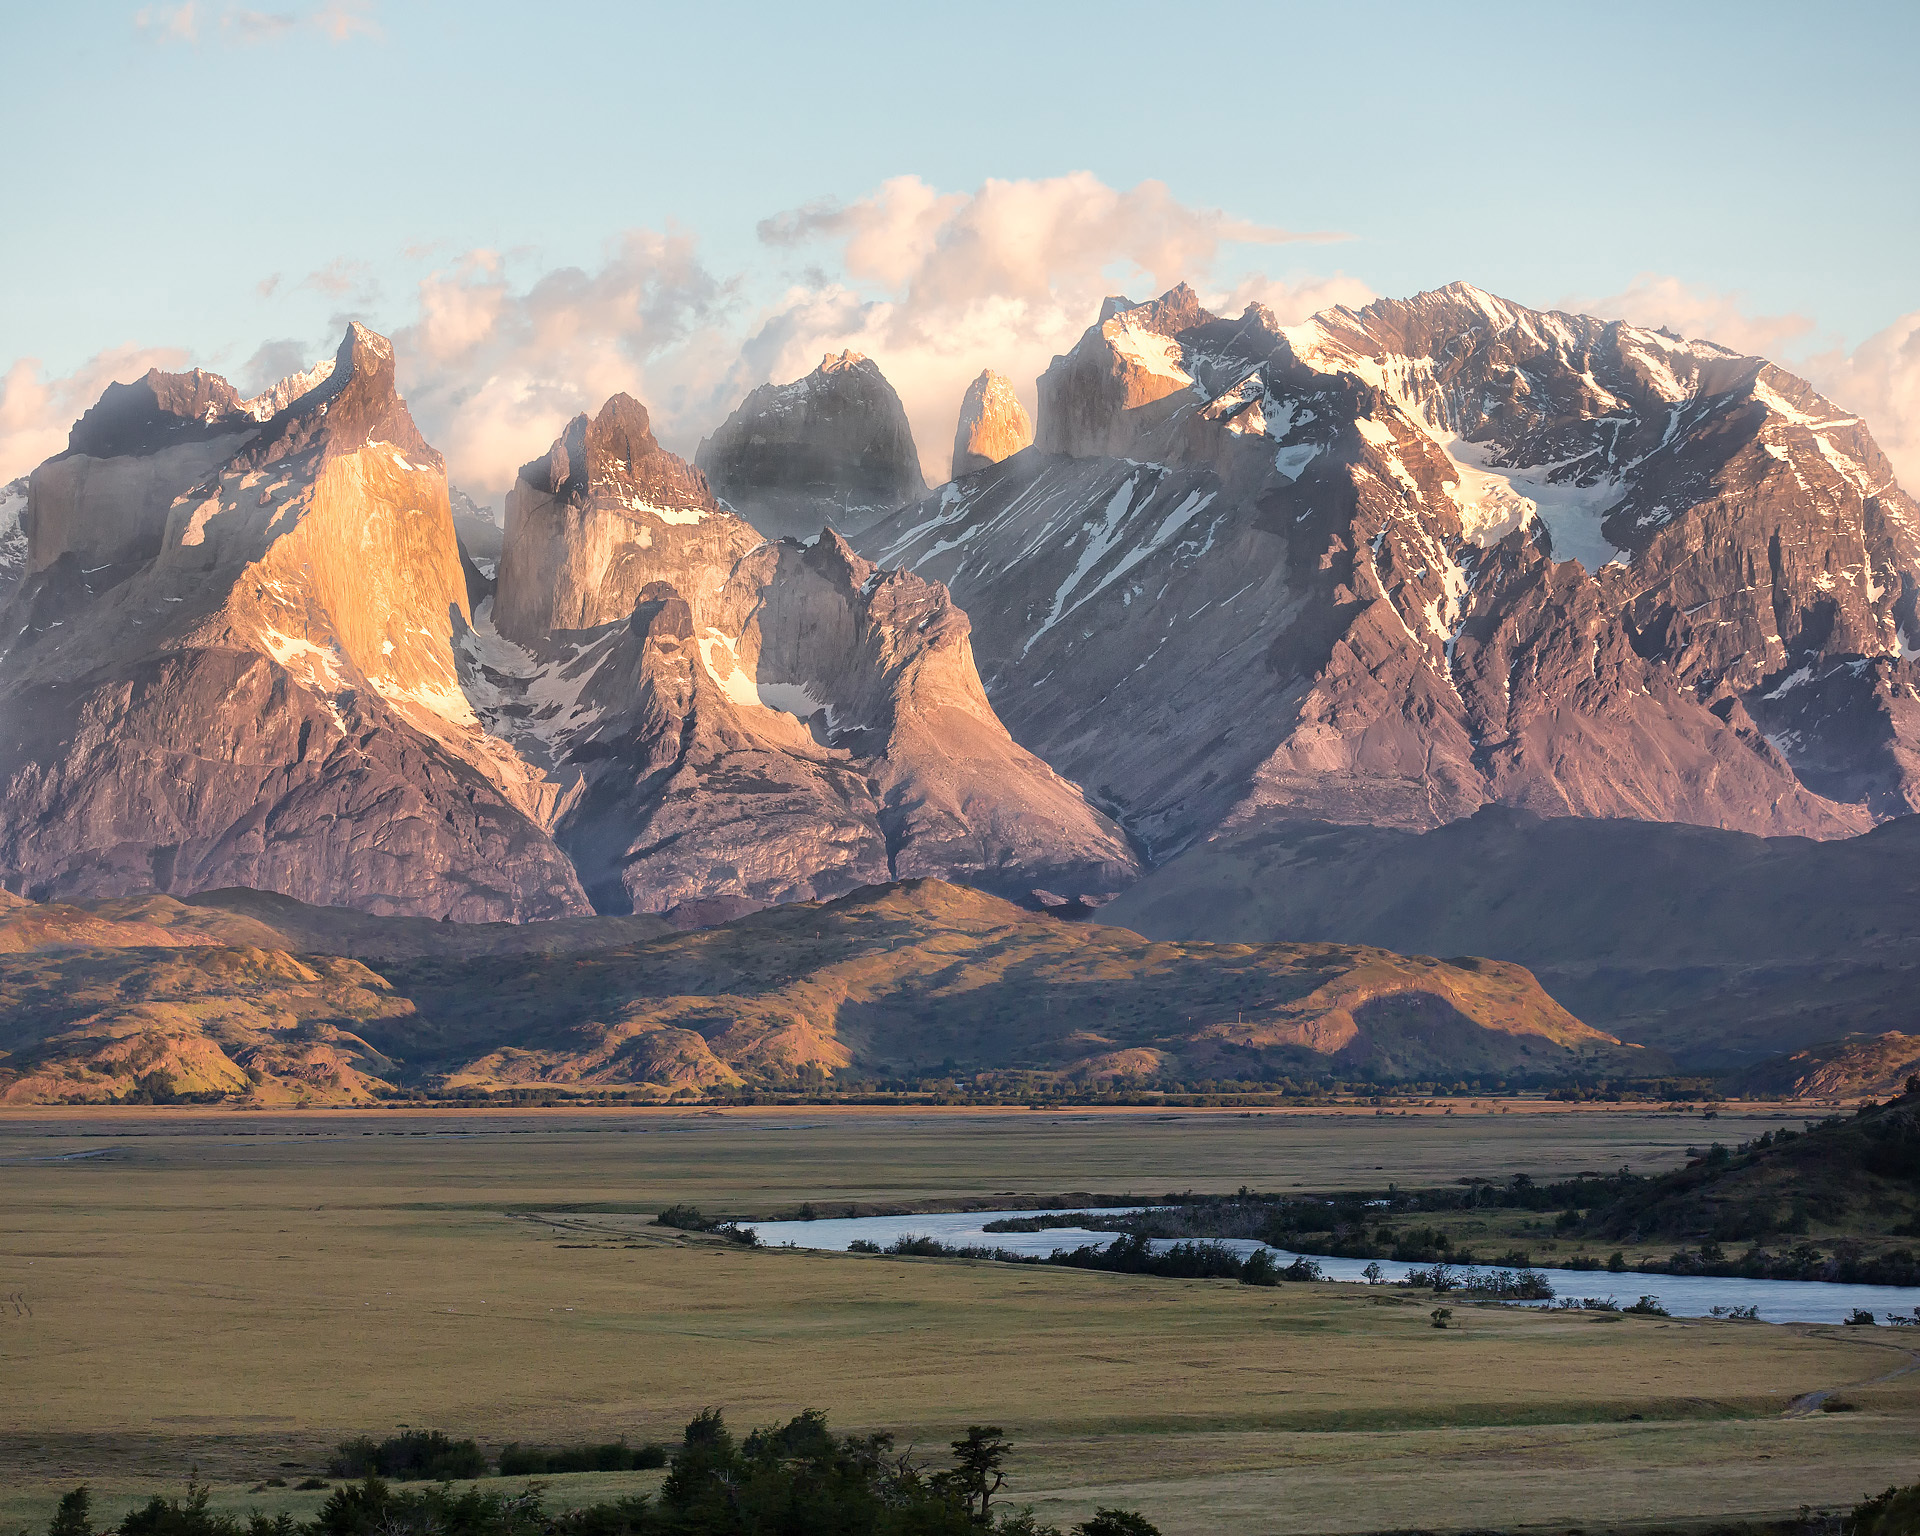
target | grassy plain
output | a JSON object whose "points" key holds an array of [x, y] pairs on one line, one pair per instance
{"points": [[239, 1291]]}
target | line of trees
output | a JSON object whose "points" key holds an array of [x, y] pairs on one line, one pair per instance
{"points": [[795, 1479]]}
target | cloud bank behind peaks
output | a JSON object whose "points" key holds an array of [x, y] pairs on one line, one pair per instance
{"points": [[936, 286], [1878, 380]]}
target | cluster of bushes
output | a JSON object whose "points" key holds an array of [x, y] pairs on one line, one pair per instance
{"points": [[1847, 1264], [517, 1460], [1496, 1285], [688, 1218], [1131, 1253], [796, 1479], [416, 1455]]}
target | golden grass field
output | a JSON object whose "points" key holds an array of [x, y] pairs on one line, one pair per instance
{"points": [[239, 1291]]}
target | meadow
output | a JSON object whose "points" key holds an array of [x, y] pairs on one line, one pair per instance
{"points": [[240, 1291]]}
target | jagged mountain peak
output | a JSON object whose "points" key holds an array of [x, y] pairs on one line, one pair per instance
{"points": [[831, 447], [156, 410], [614, 453], [993, 424], [356, 402], [1461, 551]]}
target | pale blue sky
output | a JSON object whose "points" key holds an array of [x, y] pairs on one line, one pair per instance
{"points": [[154, 182]]}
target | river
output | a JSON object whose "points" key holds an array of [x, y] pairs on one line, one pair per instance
{"points": [[1779, 1301]]}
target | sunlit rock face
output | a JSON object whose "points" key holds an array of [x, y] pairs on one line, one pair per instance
{"points": [[830, 450], [993, 424], [1389, 565], [733, 722], [230, 661]]}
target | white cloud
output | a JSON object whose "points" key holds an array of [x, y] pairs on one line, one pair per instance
{"points": [[1704, 314], [492, 372], [339, 20], [171, 23], [933, 286], [1880, 379], [940, 285], [1291, 302], [37, 410]]}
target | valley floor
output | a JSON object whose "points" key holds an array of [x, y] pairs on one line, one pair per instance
{"points": [[240, 1291]]}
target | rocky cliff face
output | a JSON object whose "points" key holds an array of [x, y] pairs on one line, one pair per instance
{"points": [[830, 450], [13, 536], [1391, 565], [230, 662], [730, 723], [249, 649], [993, 424]]}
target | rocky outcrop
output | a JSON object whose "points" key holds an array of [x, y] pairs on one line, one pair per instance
{"points": [[599, 517], [231, 663], [830, 450], [993, 424], [13, 537], [1388, 566], [731, 723], [1128, 362]]}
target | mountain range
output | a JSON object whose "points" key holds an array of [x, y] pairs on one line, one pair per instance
{"points": [[266, 1000], [1236, 594]]}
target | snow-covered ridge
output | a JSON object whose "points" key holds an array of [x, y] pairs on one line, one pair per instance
{"points": [[269, 403]]}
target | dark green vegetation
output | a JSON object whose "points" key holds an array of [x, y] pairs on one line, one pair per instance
{"points": [[1893, 1513], [416, 1455], [1128, 1254], [1718, 947], [1851, 1181], [796, 1479], [170, 1000]]}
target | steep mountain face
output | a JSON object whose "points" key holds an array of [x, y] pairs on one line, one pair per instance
{"points": [[249, 648], [830, 450], [229, 661], [993, 424], [729, 723], [13, 536], [1391, 565]]}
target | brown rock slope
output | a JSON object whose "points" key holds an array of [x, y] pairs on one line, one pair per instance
{"points": [[1860, 1066], [212, 997], [928, 976], [726, 722], [138, 996], [1391, 565], [230, 662]]}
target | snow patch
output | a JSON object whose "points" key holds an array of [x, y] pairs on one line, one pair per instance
{"points": [[1147, 350], [720, 655]]}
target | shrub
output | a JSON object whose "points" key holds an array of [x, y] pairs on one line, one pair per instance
{"points": [[1116, 1522], [1860, 1317], [1893, 1513], [1441, 1316], [1648, 1306], [417, 1455], [518, 1460], [74, 1517]]}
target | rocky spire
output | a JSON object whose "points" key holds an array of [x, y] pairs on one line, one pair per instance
{"points": [[994, 425], [831, 448]]}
